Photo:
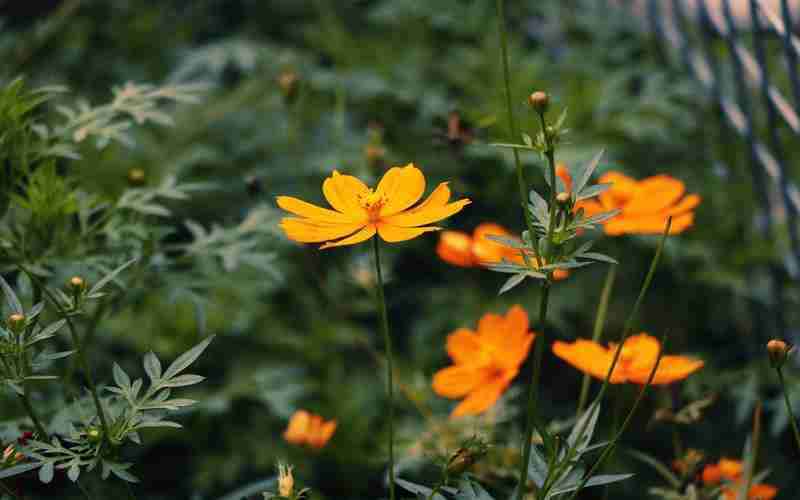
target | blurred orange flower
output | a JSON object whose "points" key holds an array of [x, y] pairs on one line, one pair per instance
{"points": [[359, 212], [645, 204], [308, 429], [730, 471], [484, 363], [461, 249], [636, 361]]}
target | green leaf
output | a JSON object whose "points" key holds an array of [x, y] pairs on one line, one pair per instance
{"points": [[18, 469], [583, 430], [183, 380], [599, 257], [537, 468], [120, 377], [186, 359], [587, 172], [512, 282], [46, 472], [152, 366], [417, 489], [110, 276], [595, 481], [469, 490], [11, 298], [506, 241], [592, 191]]}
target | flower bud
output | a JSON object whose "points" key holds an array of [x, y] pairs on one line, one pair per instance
{"points": [[136, 177], [287, 81], [539, 101], [563, 197], [77, 283], [94, 435], [778, 351], [16, 322], [254, 185], [285, 481], [465, 457]]}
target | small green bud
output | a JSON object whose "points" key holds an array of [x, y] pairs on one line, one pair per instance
{"points": [[136, 177], [539, 101], [563, 198], [465, 457], [94, 435], [778, 351]]}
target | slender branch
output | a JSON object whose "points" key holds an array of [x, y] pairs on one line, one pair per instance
{"points": [[26, 402], [9, 491], [612, 445], [597, 333], [788, 403], [512, 124], [76, 341], [381, 305]]}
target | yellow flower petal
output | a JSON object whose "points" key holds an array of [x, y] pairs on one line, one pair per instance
{"points": [[670, 369], [481, 399], [304, 209], [343, 192], [642, 350], [400, 187], [653, 195], [463, 346], [456, 381], [362, 235], [426, 215], [307, 231], [392, 234]]}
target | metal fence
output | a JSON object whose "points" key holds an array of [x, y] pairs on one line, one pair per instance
{"points": [[745, 54]]}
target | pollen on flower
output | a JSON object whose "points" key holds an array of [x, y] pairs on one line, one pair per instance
{"points": [[372, 202]]}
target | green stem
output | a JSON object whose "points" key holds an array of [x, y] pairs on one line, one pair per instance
{"points": [[26, 402], [76, 342], [533, 395], [597, 333], [612, 445], [129, 489], [786, 400], [388, 343], [512, 124], [9, 491]]}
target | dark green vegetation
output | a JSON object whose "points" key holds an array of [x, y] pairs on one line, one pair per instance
{"points": [[296, 327]]}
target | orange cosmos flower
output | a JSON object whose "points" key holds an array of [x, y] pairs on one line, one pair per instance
{"points": [[636, 361], [730, 471], [461, 249], [645, 204], [308, 429], [359, 212], [484, 363]]}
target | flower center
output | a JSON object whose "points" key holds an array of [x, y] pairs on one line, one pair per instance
{"points": [[372, 202]]}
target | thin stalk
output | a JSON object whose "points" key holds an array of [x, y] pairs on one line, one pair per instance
{"points": [[628, 325], [612, 445], [76, 341], [9, 491], [129, 489], [533, 395], [597, 332], [753, 459], [381, 305], [83, 489], [629, 322], [788, 406], [26, 402], [512, 124]]}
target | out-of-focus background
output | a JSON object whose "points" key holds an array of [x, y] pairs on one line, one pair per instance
{"points": [[297, 88]]}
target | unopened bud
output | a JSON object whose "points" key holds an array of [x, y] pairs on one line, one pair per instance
{"points": [[539, 101], [465, 457], [287, 81], [285, 481], [16, 322], [77, 283], [778, 351], [563, 197], [136, 177], [94, 435]]}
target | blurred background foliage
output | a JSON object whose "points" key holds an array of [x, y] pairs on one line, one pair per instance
{"points": [[291, 89]]}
